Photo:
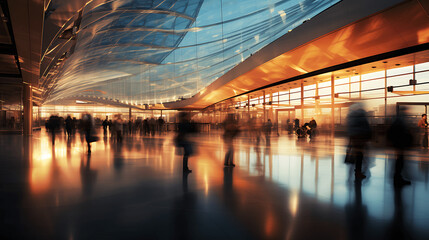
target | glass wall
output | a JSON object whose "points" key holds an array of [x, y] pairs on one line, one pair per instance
{"points": [[379, 90], [146, 52]]}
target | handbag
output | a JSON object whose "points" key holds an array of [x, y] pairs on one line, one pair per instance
{"points": [[349, 156]]}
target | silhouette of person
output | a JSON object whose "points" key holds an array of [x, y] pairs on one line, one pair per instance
{"points": [[401, 138], [53, 126], [296, 123], [359, 132], [267, 129], [88, 129], [105, 125], [313, 125], [185, 128], [118, 127], [152, 126], [161, 123], [69, 126], [423, 125], [231, 131]]}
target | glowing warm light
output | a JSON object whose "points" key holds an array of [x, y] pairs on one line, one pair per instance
{"points": [[293, 203]]}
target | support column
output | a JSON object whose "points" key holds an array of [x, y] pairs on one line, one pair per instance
{"points": [[277, 122], [28, 109], [385, 95], [265, 117], [350, 87], [271, 108], [332, 104], [360, 86], [316, 101], [414, 75], [302, 101], [248, 106], [39, 114]]}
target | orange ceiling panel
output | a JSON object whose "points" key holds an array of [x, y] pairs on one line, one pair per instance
{"points": [[402, 26]]}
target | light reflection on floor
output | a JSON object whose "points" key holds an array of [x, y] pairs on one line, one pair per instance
{"points": [[137, 190]]}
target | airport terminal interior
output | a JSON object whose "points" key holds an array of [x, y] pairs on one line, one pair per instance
{"points": [[214, 119]]}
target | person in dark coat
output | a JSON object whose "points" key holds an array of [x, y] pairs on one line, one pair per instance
{"points": [[161, 123], [423, 125], [360, 133], [105, 125], [69, 126], [53, 126], [88, 129], [313, 125], [184, 129], [399, 135], [231, 131]]}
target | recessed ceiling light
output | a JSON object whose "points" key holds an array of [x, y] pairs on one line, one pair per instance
{"points": [[384, 61], [356, 73], [397, 64], [374, 67]]}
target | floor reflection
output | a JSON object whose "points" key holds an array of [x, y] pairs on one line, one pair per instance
{"points": [[288, 189]]}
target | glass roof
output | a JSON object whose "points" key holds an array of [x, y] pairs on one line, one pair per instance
{"points": [[146, 52]]}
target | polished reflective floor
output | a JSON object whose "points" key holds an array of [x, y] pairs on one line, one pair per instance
{"points": [[288, 189]]}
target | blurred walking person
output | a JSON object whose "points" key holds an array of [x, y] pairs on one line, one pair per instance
{"points": [[69, 126], [118, 127], [313, 125], [53, 126], [146, 130], [423, 125], [88, 129], [184, 129], [400, 137], [105, 125], [360, 133], [267, 129], [161, 123], [152, 126], [231, 131]]}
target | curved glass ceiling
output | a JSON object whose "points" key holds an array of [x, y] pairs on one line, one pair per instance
{"points": [[146, 52]]}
